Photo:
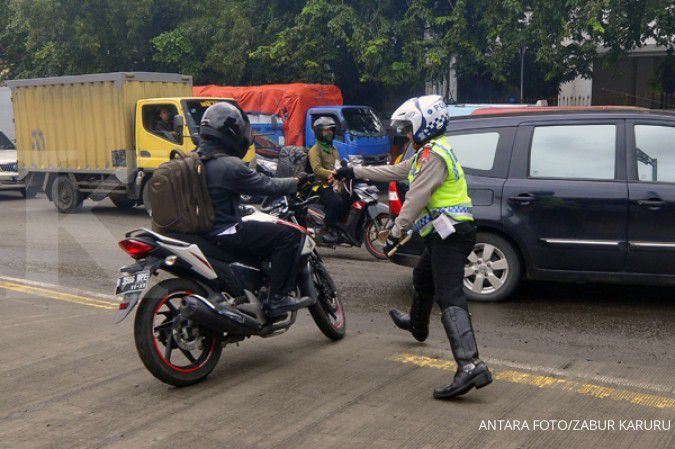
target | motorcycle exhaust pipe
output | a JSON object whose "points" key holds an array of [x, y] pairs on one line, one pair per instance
{"points": [[227, 319]]}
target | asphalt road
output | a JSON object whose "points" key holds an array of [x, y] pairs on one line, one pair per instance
{"points": [[584, 355]]}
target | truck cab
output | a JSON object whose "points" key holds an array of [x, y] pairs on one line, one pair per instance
{"points": [[167, 126], [360, 134]]}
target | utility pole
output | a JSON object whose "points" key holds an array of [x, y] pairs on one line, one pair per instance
{"points": [[522, 72], [525, 21]]}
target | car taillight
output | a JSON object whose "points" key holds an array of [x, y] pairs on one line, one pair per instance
{"points": [[135, 248], [394, 201]]}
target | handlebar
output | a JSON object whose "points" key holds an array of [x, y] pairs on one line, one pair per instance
{"points": [[308, 201]]}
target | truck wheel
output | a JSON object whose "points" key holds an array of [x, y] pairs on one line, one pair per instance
{"points": [[493, 270], [65, 195], [122, 202]]}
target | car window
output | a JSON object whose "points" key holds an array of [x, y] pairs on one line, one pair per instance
{"points": [[158, 120], [475, 151], [655, 153], [573, 152]]}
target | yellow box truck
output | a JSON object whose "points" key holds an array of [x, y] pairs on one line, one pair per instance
{"points": [[101, 135]]}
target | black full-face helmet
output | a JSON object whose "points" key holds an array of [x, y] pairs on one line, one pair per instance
{"points": [[224, 124], [324, 123]]}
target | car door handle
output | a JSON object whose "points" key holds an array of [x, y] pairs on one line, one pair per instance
{"points": [[523, 199], [652, 203]]}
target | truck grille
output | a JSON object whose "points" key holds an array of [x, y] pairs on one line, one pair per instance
{"points": [[13, 167]]}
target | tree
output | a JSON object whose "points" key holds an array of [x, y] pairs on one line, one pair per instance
{"points": [[56, 37], [360, 46], [214, 41]]}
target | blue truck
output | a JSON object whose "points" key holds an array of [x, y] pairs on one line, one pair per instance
{"points": [[360, 136]]}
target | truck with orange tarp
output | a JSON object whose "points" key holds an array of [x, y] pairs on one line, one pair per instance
{"points": [[360, 134]]}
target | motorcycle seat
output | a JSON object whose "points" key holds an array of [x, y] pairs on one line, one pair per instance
{"points": [[210, 249]]}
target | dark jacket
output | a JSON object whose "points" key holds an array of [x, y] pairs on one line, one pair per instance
{"points": [[227, 177]]}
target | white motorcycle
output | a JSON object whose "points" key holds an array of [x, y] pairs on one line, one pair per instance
{"points": [[211, 300]]}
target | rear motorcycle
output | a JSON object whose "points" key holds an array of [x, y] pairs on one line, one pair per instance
{"points": [[211, 299], [366, 218]]}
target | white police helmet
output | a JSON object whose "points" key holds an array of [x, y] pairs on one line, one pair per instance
{"points": [[426, 117]]}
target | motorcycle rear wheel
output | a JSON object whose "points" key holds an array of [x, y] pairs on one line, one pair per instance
{"points": [[156, 341]]}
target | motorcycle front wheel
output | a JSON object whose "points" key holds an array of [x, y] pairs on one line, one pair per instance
{"points": [[371, 234], [172, 348], [328, 312]]}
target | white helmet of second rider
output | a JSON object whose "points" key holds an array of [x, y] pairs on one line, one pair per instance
{"points": [[426, 116]]}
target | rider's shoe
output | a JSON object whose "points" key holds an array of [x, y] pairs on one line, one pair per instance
{"points": [[330, 236], [280, 305]]}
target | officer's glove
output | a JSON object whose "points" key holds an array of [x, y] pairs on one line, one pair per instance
{"points": [[390, 244], [343, 173], [393, 237]]}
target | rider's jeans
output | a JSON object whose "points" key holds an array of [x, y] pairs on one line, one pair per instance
{"points": [[279, 243], [335, 206]]}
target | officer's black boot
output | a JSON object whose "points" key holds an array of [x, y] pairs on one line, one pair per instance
{"points": [[471, 371], [417, 322]]}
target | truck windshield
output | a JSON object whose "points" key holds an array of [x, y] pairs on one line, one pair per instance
{"points": [[195, 109], [5, 143], [363, 122]]}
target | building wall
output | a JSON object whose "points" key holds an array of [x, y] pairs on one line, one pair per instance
{"points": [[630, 83], [578, 92], [633, 81]]}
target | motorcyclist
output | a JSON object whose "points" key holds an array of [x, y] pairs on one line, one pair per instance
{"points": [[225, 136], [322, 158], [439, 208]]}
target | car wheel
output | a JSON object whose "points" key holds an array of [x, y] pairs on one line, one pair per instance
{"points": [[493, 269]]}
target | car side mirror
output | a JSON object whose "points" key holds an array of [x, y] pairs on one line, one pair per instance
{"points": [[274, 123]]}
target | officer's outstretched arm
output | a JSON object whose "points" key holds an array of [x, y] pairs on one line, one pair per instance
{"points": [[383, 173]]}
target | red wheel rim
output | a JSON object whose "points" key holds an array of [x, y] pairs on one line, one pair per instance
{"points": [[181, 369], [369, 230]]}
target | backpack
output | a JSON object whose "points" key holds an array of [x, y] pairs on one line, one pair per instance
{"points": [[179, 196], [292, 160]]}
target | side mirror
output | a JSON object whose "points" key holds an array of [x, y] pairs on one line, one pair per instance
{"points": [[274, 123], [178, 123]]}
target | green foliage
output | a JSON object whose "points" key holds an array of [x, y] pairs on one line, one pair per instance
{"points": [[364, 46]]}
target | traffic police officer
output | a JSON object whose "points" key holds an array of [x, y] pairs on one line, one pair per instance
{"points": [[439, 208]]}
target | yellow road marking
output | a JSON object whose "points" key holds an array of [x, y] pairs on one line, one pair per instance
{"points": [[60, 296], [517, 377]]}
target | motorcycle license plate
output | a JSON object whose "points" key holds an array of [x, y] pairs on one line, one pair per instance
{"points": [[132, 282]]}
